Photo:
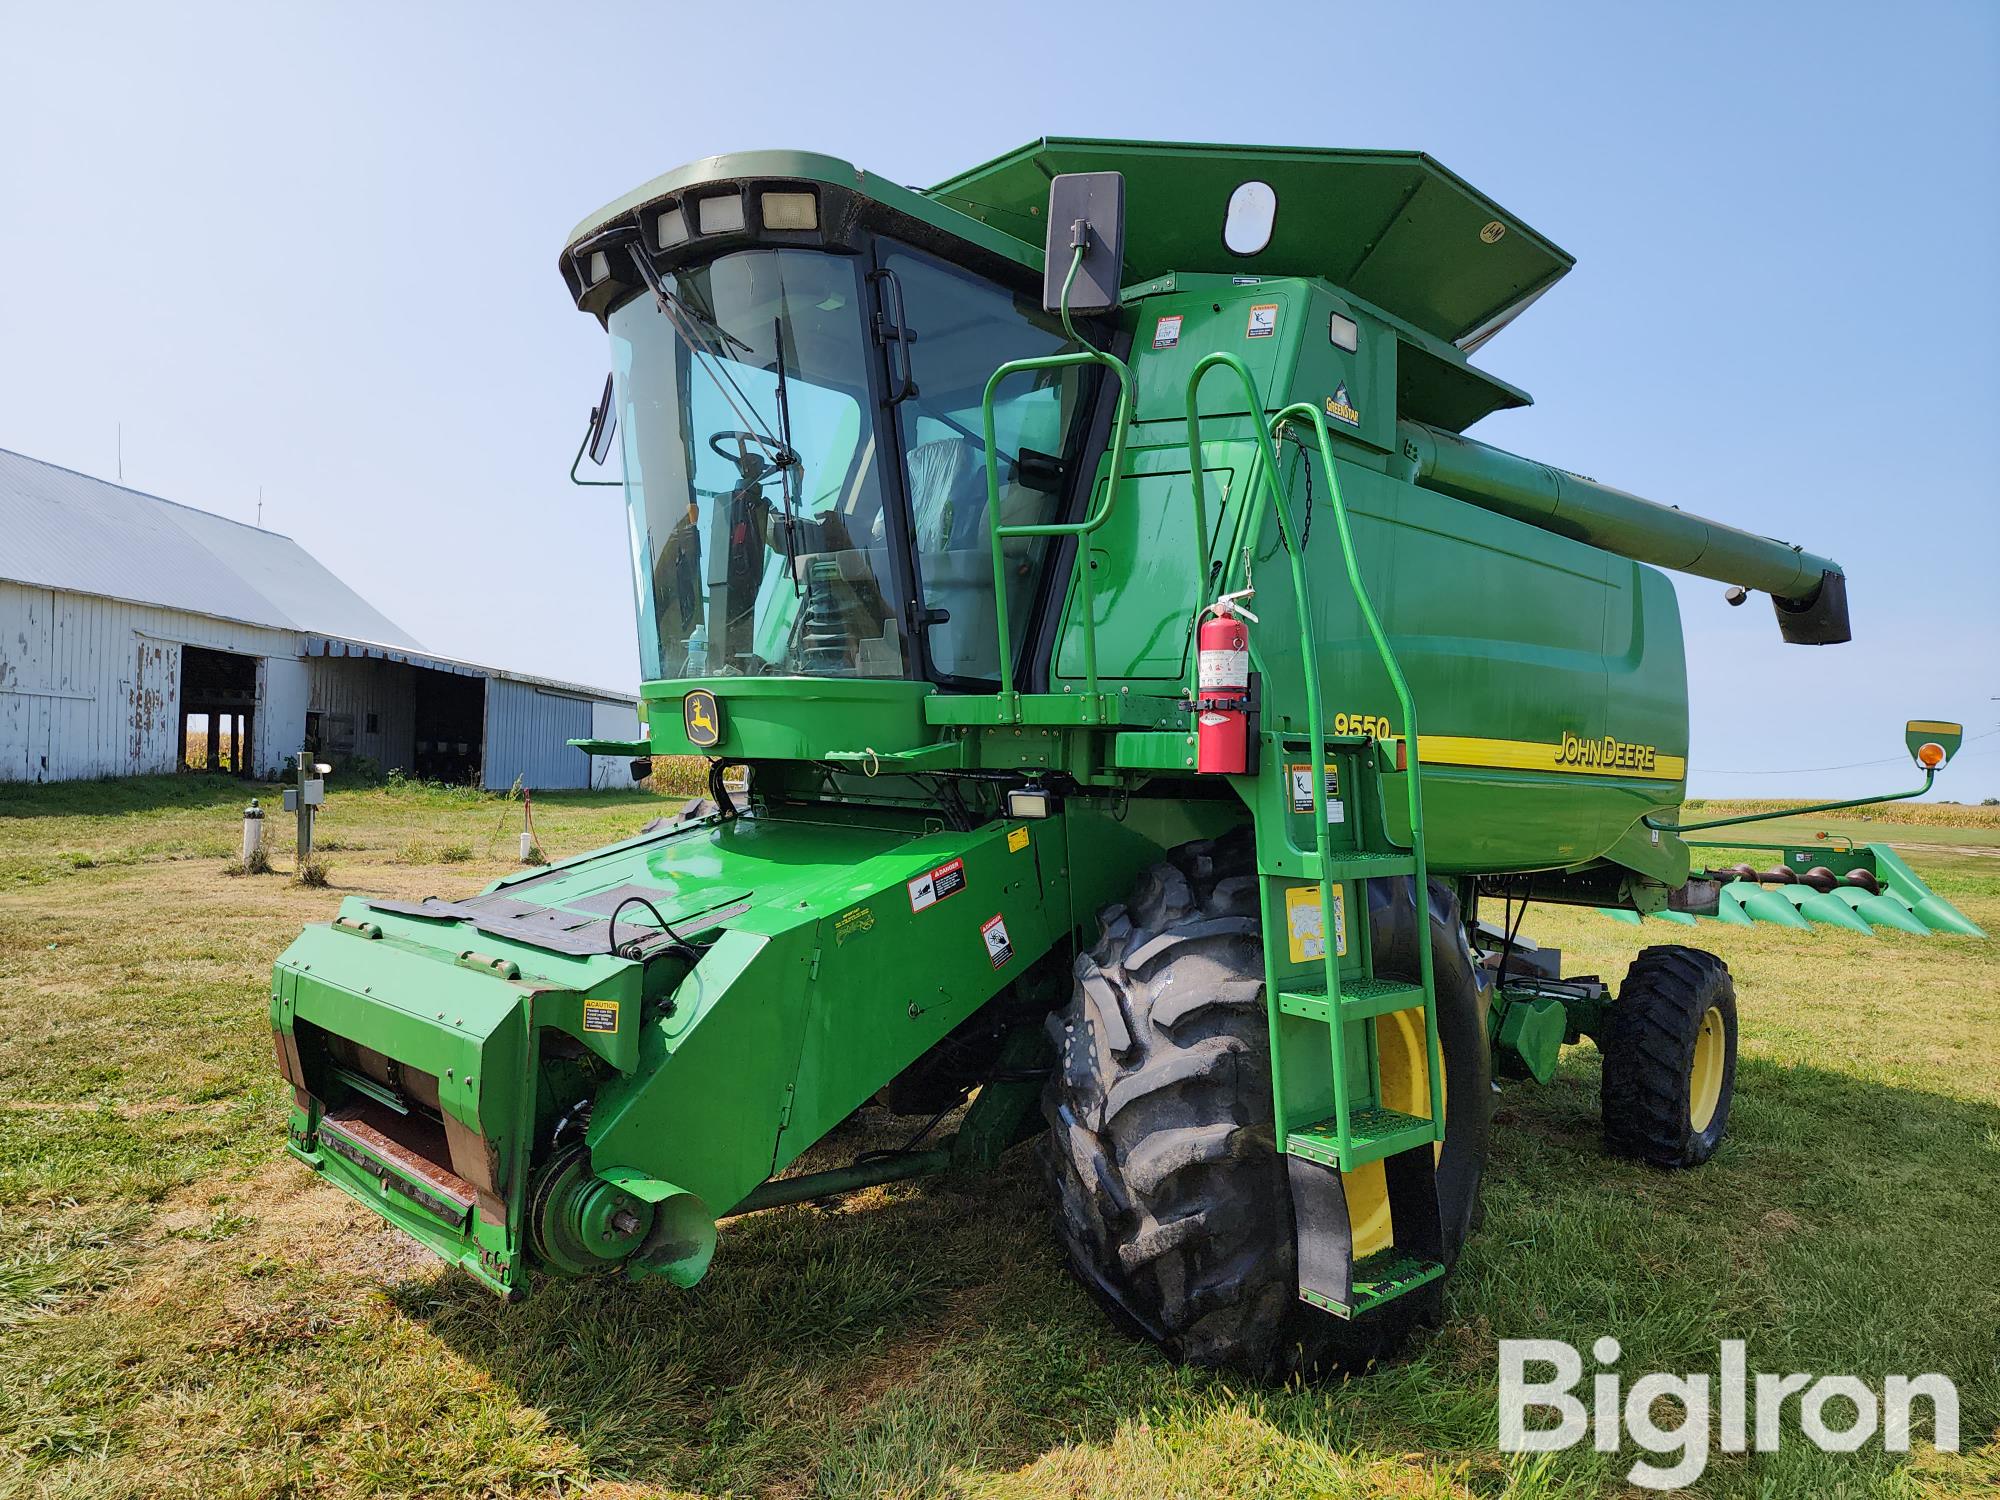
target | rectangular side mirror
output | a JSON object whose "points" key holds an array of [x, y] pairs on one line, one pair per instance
{"points": [[603, 425], [1086, 207]]}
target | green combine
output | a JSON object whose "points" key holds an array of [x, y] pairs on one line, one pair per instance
{"points": [[1053, 568]]}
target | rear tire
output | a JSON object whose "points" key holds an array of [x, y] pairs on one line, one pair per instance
{"points": [[1171, 1198], [1670, 1058]]}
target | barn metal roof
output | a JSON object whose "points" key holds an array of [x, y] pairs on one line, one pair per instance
{"points": [[322, 645], [63, 530]]}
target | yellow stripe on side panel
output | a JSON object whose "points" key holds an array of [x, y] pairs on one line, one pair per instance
{"points": [[1573, 757]]}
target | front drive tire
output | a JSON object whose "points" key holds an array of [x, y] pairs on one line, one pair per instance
{"points": [[1171, 1199], [1670, 1058]]}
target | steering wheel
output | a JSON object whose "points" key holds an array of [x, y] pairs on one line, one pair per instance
{"points": [[752, 455]]}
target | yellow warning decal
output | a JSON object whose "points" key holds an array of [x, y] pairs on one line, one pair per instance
{"points": [[1302, 791], [1017, 840], [1305, 937], [600, 1015], [1602, 755]]}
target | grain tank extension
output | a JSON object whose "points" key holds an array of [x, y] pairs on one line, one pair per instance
{"points": [[1063, 557]]}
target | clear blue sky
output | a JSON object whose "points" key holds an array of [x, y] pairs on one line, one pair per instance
{"points": [[313, 249]]}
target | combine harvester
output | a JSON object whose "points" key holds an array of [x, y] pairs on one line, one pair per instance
{"points": [[1064, 554]]}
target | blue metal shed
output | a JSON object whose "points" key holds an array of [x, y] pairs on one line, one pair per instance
{"points": [[528, 729], [526, 724]]}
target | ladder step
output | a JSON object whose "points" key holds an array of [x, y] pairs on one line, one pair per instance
{"points": [[1373, 1134], [1343, 865], [1367, 864], [1354, 864], [1359, 999], [1382, 1277]]}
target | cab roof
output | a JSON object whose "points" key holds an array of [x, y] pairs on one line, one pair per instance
{"points": [[777, 167], [1394, 228], [1445, 264]]}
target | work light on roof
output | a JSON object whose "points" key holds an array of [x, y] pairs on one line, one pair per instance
{"points": [[790, 211], [720, 215], [671, 228]]}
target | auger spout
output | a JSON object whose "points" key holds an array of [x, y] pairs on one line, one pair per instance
{"points": [[1809, 592]]}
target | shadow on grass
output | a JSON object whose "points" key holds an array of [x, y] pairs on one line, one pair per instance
{"points": [[810, 1316], [928, 1329], [119, 796], [200, 790]]}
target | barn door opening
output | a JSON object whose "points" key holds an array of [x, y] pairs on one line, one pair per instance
{"points": [[451, 727], [218, 711]]}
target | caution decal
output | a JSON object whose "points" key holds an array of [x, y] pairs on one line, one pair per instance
{"points": [[1305, 930], [1302, 791]]}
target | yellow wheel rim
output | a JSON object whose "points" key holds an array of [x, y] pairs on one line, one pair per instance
{"points": [[1404, 1058], [1705, 1078]]}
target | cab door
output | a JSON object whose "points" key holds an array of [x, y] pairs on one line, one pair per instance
{"points": [[945, 330]]}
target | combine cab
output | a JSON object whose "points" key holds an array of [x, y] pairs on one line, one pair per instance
{"points": [[1064, 556]]}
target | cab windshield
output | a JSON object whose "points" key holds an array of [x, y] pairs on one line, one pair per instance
{"points": [[751, 476], [770, 533]]}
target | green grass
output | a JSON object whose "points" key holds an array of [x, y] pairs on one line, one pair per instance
{"points": [[183, 1312]]}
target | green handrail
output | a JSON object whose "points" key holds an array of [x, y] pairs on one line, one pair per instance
{"points": [[1413, 788], [1930, 775], [1087, 354], [1836, 843], [1309, 658]]}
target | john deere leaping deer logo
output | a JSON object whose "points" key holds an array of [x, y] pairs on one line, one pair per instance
{"points": [[702, 717]]}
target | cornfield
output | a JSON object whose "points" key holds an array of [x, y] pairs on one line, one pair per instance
{"points": [[203, 754], [1913, 814]]}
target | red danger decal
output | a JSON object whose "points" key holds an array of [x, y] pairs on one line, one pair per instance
{"points": [[933, 886], [999, 947]]}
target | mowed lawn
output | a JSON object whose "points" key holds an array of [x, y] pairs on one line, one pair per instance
{"points": [[185, 1312]]}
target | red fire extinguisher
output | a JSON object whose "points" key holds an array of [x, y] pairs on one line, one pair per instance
{"points": [[1222, 698]]}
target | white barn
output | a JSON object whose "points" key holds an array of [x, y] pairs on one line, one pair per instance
{"points": [[124, 616]]}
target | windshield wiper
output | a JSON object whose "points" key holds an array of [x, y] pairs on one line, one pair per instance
{"points": [[679, 316], [788, 466], [689, 313]]}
